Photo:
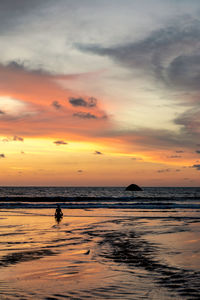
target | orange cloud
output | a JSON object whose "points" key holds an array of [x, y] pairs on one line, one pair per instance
{"points": [[45, 107]]}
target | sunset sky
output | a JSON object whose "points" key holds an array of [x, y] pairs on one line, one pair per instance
{"points": [[100, 92]]}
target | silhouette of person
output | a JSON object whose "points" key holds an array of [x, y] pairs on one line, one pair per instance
{"points": [[58, 213]]}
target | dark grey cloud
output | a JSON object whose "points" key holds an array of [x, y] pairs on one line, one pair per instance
{"points": [[2, 155], [18, 138], [170, 54], [80, 171], [151, 138], [197, 167], [16, 65], [85, 115], [77, 102], [198, 151], [14, 7], [2, 112], [98, 153], [190, 120], [174, 156], [25, 66], [91, 102], [58, 143], [56, 104], [12, 12], [184, 71]]}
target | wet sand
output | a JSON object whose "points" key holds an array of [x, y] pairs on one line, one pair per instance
{"points": [[99, 254]]}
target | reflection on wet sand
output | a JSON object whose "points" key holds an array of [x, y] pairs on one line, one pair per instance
{"points": [[58, 219], [130, 249], [94, 257], [17, 257]]}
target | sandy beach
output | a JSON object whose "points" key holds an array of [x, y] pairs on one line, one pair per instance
{"points": [[98, 254]]}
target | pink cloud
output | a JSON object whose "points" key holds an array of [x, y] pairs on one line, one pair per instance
{"points": [[41, 113]]}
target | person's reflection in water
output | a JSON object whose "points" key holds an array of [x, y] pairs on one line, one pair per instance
{"points": [[58, 214]]}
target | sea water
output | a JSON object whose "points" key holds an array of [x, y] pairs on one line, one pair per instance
{"points": [[115, 192], [100, 197], [110, 244]]}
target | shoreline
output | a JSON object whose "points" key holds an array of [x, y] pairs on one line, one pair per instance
{"points": [[88, 198]]}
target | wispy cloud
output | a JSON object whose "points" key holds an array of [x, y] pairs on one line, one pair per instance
{"points": [[189, 120], [136, 158], [174, 156], [164, 170], [14, 138], [149, 138], [88, 115], [58, 143], [166, 57], [170, 54]]}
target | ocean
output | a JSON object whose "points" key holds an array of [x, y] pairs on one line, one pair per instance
{"points": [[110, 243], [100, 197]]}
